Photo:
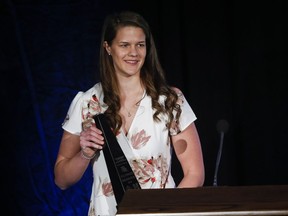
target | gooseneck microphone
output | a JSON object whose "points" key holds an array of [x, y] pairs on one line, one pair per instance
{"points": [[222, 127]]}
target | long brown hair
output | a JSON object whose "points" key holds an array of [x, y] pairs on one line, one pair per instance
{"points": [[152, 75]]}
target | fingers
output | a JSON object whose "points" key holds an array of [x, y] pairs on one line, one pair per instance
{"points": [[91, 138]]}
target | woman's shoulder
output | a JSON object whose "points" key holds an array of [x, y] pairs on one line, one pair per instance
{"points": [[97, 88], [176, 90], [91, 93], [94, 90], [181, 98]]}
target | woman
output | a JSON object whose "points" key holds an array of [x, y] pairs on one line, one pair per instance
{"points": [[148, 117]]}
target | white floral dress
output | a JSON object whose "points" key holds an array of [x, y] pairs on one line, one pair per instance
{"points": [[147, 145]]}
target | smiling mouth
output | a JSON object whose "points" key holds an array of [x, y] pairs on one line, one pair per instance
{"points": [[132, 61]]}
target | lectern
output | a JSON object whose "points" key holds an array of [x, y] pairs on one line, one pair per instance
{"points": [[221, 200]]}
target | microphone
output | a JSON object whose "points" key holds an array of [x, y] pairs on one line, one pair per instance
{"points": [[222, 127]]}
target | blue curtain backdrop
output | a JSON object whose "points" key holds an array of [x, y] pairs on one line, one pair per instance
{"points": [[229, 58]]}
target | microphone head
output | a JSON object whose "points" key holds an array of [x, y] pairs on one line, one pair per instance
{"points": [[222, 126]]}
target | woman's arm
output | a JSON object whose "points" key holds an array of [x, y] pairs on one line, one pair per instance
{"points": [[188, 149], [70, 164]]}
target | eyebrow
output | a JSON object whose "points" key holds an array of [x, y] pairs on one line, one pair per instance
{"points": [[129, 42]]}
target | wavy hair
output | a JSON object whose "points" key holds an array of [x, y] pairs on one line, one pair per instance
{"points": [[152, 75]]}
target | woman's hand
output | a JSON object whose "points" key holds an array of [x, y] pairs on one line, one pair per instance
{"points": [[91, 140]]}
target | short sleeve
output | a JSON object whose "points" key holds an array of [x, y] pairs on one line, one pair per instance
{"points": [[82, 109], [73, 120], [187, 115]]}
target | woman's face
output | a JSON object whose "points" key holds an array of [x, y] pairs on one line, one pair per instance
{"points": [[128, 51]]}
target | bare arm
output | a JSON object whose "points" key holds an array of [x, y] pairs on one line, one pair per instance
{"points": [[189, 153], [70, 165]]}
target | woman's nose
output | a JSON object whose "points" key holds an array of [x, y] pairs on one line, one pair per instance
{"points": [[133, 51]]}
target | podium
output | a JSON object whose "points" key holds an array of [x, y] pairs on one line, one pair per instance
{"points": [[207, 200]]}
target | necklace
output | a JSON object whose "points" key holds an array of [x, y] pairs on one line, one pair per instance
{"points": [[129, 112]]}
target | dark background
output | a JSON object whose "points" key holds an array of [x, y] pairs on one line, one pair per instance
{"points": [[228, 57]]}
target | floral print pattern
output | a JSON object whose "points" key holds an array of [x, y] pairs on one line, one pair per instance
{"points": [[107, 188], [147, 170], [147, 148], [139, 139], [175, 127], [89, 109]]}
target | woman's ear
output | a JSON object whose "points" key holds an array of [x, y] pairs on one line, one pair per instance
{"points": [[107, 47]]}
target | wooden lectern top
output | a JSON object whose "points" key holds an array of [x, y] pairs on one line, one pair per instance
{"points": [[221, 200]]}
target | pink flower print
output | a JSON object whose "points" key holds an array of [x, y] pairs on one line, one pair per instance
{"points": [[107, 189], [162, 166], [95, 98], [150, 161], [180, 96], [87, 123], [174, 128], [89, 109], [94, 106], [149, 167], [139, 139], [144, 171]]}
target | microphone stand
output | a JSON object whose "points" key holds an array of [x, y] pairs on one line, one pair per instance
{"points": [[218, 159], [222, 127]]}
